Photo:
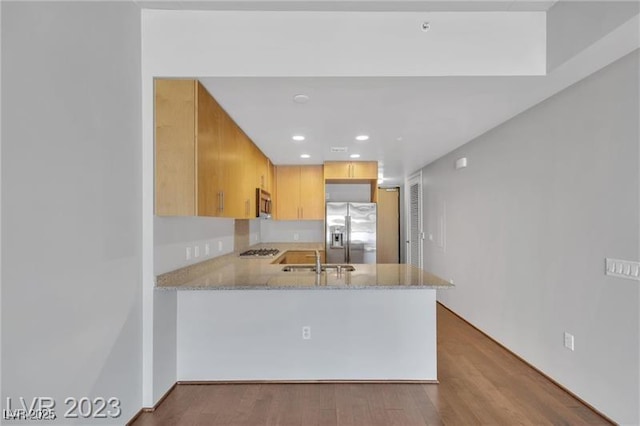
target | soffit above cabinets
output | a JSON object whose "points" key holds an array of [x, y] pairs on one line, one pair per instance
{"points": [[358, 5]]}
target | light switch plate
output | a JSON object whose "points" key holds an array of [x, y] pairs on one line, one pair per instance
{"points": [[569, 341], [622, 269]]}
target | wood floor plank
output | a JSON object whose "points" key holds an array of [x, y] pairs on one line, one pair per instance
{"points": [[480, 383], [319, 405]]}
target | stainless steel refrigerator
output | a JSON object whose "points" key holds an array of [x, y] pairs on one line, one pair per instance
{"points": [[350, 233]]}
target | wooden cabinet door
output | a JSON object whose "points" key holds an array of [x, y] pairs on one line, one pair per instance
{"points": [[312, 199], [248, 176], [210, 176], [364, 170], [272, 179], [175, 166], [288, 192], [337, 170], [262, 170], [232, 200]]}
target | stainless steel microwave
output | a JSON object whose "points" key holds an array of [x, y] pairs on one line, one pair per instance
{"points": [[263, 204]]}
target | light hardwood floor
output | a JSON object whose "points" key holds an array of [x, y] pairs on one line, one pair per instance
{"points": [[480, 383]]}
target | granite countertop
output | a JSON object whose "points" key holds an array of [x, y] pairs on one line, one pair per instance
{"points": [[232, 272]]}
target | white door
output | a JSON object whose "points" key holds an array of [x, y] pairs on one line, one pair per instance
{"points": [[414, 219]]}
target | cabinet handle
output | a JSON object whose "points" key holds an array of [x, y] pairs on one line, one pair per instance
{"points": [[222, 198], [301, 212]]}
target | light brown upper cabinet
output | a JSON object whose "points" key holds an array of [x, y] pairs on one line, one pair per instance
{"points": [[175, 148], [209, 145], [346, 170], [205, 164], [299, 193]]}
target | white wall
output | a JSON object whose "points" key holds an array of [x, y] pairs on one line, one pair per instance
{"points": [[280, 43], [172, 236], [164, 342], [545, 198], [286, 231], [355, 334], [71, 228]]}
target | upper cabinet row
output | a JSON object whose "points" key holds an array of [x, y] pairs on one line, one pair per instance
{"points": [[350, 170], [205, 164]]}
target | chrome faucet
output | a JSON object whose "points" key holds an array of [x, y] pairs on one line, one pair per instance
{"points": [[318, 264]]}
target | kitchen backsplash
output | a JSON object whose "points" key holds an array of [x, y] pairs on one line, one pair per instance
{"points": [[286, 231], [174, 235]]}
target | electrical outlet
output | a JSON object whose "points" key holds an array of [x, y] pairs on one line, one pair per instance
{"points": [[187, 254], [207, 249], [296, 236], [306, 333], [219, 245], [569, 341], [196, 251], [622, 269]]}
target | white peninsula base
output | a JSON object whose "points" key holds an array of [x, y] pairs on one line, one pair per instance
{"points": [[364, 334]]}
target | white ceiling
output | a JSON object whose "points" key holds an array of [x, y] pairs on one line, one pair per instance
{"points": [[410, 121]]}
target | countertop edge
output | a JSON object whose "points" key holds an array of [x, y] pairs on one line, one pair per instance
{"points": [[297, 288]]}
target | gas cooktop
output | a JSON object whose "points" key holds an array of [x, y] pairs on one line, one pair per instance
{"points": [[265, 252]]}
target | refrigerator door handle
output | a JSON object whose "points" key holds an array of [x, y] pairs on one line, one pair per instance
{"points": [[347, 252]]}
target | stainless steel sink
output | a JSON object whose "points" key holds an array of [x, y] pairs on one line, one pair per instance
{"points": [[312, 268], [343, 268]]}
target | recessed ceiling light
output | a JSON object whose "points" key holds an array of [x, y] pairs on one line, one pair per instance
{"points": [[305, 156], [355, 156], [362, 138], [298, 138], [301, 99]]}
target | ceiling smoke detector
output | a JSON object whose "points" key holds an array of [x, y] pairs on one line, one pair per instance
{"points": [[425, 26]]}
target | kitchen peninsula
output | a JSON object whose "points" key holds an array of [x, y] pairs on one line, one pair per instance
{"points": [[247, 320], [241, 318]]}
